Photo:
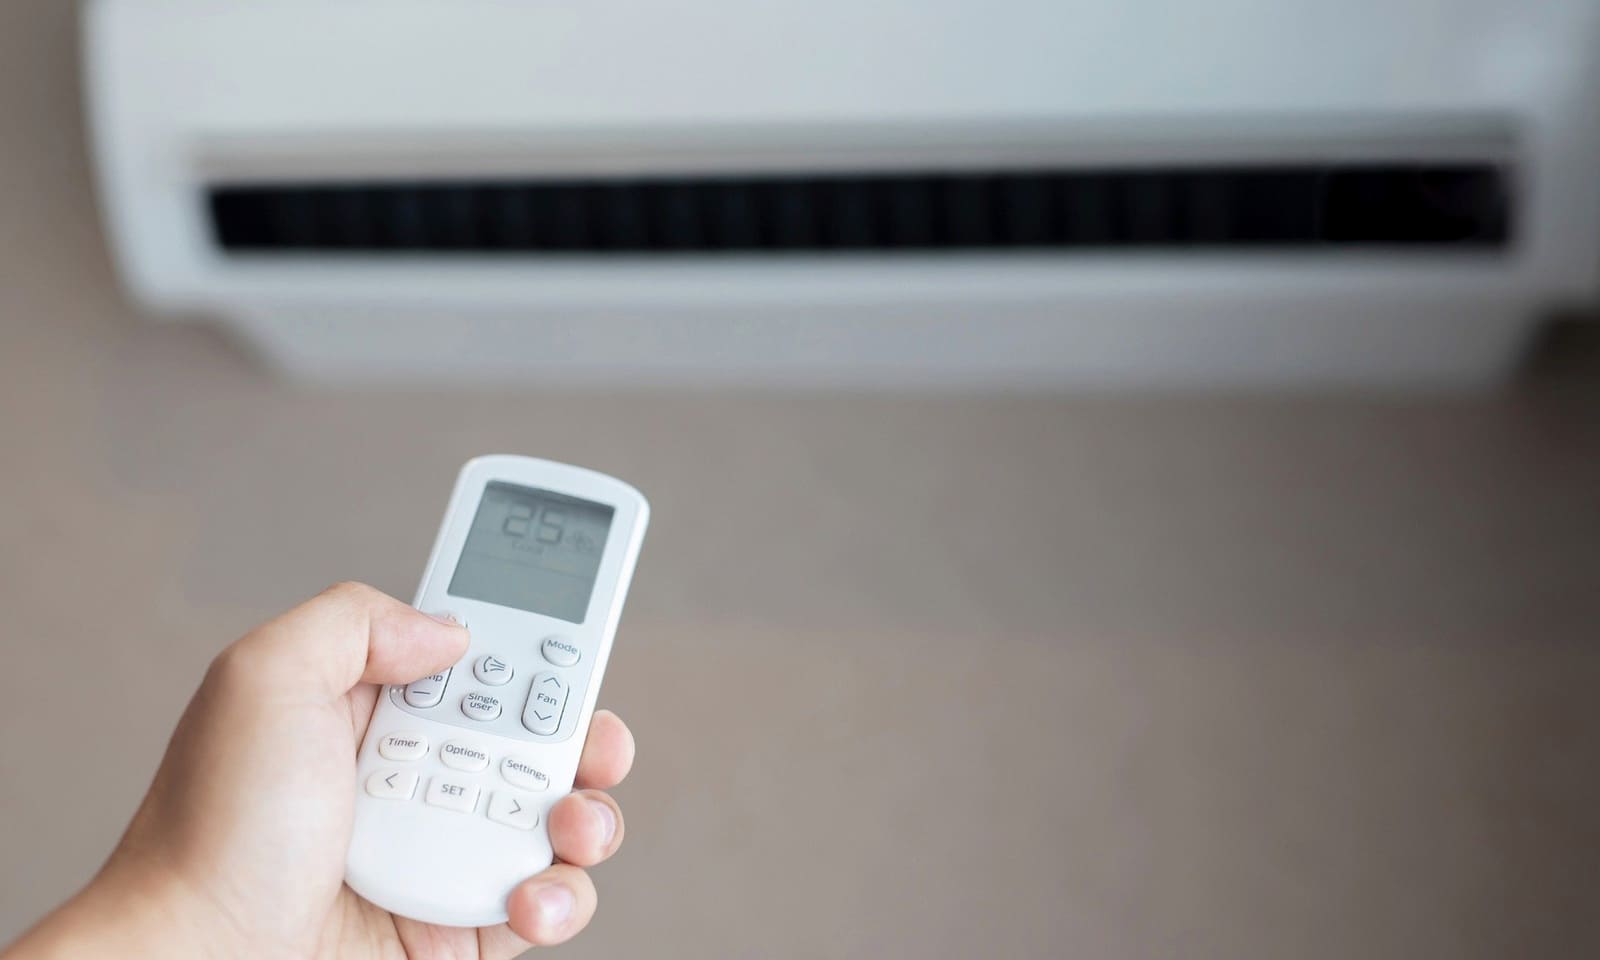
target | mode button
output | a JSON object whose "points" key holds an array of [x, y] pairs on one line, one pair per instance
{"points": [[561, 651]]}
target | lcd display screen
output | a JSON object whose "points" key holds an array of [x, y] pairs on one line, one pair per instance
{"points": [[533, 550]]}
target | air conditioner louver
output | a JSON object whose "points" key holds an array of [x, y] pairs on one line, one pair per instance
{"points": [[1464, 205]]}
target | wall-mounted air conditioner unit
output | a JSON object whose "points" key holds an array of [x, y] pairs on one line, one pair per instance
{"points": [[1025, 192]]}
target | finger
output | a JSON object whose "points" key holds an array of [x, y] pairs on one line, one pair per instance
{"points": [[585, 827], [552, 907], [348, 634], [607, 754]]}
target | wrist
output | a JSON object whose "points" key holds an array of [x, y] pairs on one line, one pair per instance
{"points": [[125, 912]]}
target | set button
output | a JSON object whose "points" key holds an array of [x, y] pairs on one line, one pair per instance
{"points": [[459, 756], [560, 651], [481, 707], [403, 747], [452, 794], [428, 691]]}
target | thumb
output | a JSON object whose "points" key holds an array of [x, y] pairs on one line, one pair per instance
{"points": [[349, 634]]}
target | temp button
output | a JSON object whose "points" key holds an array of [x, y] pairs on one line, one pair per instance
{"points": [[561, 651]]}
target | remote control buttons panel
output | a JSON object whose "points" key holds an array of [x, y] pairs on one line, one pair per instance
{"points": [[527, 689], [470, 775]]}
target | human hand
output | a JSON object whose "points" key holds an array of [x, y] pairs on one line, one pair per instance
{"points": [[239, 847]]}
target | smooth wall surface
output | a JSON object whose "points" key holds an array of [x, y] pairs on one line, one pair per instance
{"points": [[911, 676]]}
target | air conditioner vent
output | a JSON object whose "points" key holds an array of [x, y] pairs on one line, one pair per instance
{"points": [[1453, 206]]}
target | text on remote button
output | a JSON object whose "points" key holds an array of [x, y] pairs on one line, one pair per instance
{"points": [[480, 706], [521, 773], [452, 795], [403, 747], [560, 651], [462, 757]]}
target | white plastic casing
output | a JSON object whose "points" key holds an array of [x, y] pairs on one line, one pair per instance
{"points": [[457, 869]]}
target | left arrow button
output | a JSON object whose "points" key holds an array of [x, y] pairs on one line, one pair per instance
{"points": [[392, 784]]}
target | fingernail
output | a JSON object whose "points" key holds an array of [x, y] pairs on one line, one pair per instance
{"points": [[608, 821], [553, 905], [447, 618]]}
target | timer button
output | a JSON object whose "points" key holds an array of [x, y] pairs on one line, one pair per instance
{"points": [[428, 691], [403, 747], [481, 707], [561, 651], [493, 671]]}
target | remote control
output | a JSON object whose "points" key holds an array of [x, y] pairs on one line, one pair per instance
{"points": [[458, 771]]}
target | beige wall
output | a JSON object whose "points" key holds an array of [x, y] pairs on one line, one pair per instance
{"points": [[911, 677]]}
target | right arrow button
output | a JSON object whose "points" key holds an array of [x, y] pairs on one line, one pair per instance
{"points": [[546, 700], [513, 811]]}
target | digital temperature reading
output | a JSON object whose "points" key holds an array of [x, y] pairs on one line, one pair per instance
{"points": [[533, 550]]}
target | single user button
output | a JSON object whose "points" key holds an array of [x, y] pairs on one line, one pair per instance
{"points": [[546, 700], [392, 784], [459, 756], [481, 706], [520, 773], [452, 794], [513, 811], [560, 651], [428, 691], [493, 671], [403, 747]]}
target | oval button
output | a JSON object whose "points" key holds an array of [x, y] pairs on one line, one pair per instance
{"points": [[459, 756], [521, 773], [561, 651], [493, 671], [481, 706], [403, 747]]}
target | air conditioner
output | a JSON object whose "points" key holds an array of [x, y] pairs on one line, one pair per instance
{"points": [[933, 192]]}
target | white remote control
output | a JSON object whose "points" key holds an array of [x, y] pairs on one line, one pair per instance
{"points": [[459, 770]]}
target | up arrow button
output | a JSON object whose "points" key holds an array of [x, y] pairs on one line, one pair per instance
{"points": [[546, 701]]}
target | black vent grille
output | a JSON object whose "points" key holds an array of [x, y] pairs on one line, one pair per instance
{"points": [[1463, 205]]}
